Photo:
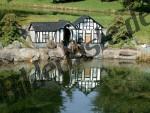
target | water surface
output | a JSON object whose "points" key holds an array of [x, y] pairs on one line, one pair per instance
{"points": [[84, 87]]}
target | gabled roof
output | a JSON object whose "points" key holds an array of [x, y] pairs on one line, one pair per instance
{"points": [[82, 18], [48, 26]]}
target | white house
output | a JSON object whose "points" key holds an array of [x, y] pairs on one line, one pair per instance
{"points": [[41, 32], [84, 30], [88, 30]]}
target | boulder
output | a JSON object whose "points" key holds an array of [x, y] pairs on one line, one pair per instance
{"points": [[127, 54], [7, 55], [26, 54], [78, 54], [15, 44], [94, 50], [72, 46], [51, 44], [29, 43], [106, 45], [43, 54], [35, 58], [1, 45], [57, 52]]}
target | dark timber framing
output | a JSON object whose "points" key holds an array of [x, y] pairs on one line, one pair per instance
{"points": [[88, 29], [41, 32], [83, 30]]}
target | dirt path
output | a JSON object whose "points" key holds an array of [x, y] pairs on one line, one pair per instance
{"points": [[61, 9]]}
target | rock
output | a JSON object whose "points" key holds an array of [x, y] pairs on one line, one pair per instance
{"points": [[106, 45], [26, 54], [57, 52], [35, 58], [29, 43], [127, 54], [6, 55], [78, 54], [51, 44], [94, 50], [72, 46], [15, 44], [134, 42], [10, 46], [43, 54], [1, 45]]}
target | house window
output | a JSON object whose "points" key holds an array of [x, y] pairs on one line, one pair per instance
{"points": [[37, 37], [81, 25], [45, 37], [94, 72], [88, 37], [95, 40], [80, 35], [91, 25]]}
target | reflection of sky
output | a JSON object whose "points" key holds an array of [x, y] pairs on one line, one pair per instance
{"points": [[80, 103]]}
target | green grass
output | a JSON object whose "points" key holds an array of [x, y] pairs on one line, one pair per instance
{"points": [[85, 4], [143, 34], [26, 19], [44, 11]]}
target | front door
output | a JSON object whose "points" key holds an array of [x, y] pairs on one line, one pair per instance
{"points": [[67, 35], [87, 72], [88, 38]]}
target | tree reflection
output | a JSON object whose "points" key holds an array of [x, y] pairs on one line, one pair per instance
{"points": [[17, 95], [123, 90]]}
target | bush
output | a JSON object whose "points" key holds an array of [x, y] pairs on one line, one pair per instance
{"points": [[117, 32], [9, 29], [132, 4]]}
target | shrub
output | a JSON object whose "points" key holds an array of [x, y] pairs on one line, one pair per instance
{"points": [[9, 29], [117, 32]]}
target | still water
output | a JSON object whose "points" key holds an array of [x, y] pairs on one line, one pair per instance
{"points": [[79, 87]]}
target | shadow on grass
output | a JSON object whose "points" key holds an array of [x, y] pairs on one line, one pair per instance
{"points": [[145, 8], [22, 13], [65, 1]]}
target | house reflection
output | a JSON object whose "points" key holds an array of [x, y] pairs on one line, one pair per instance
{"points": [[84, 78]]}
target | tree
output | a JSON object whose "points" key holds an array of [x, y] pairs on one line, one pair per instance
{"points": [[134, 4], [117, 32], [9, 29], [122, 90]]}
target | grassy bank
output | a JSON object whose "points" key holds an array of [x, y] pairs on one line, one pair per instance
{"points": [[83, 4], [103, 12]]}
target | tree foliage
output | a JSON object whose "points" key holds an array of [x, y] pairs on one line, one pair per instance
{"points": [[134, 4], [117, 32], [122, 90], [9, 29]]}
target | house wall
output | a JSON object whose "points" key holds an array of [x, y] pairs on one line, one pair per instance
{"points": [[41, 38], [88, 30], [32, 35]]}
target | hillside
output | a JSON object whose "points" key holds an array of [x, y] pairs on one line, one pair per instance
{"points": [[103, 12]]}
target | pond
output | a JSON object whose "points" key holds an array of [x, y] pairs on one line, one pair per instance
{"points": [[97, 86]]}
